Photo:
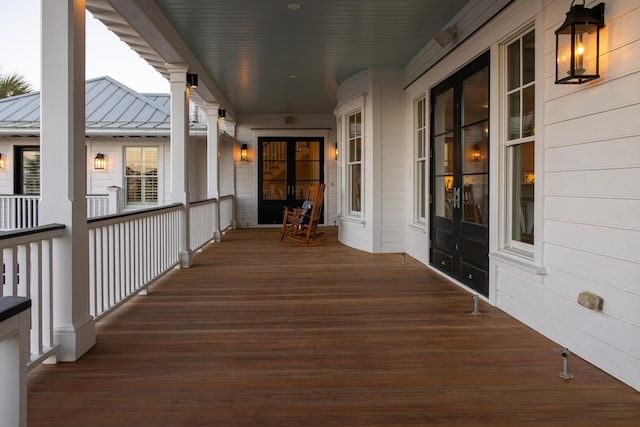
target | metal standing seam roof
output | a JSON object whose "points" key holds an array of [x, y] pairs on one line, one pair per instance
{"points": [[111, 107]]}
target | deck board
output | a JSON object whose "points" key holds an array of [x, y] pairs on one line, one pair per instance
{"points": [[258, 333]]}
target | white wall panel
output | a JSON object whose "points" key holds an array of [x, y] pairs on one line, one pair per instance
{"points": [[619, 213], [605, 183], [611, 242], [612, 125]]}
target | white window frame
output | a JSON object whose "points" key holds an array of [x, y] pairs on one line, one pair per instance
{"points": [[508, 245], [351, 164], [339, 171], [343, 111], [158, 176], [420, 161]]}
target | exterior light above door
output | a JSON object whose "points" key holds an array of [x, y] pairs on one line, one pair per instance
{"points": [[578, 45]]}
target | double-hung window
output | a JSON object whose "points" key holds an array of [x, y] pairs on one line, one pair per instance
{"points": [[141, 175], [420, 161], [520, 138], [354, 163]]}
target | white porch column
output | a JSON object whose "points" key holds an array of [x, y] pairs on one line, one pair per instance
{"points": [[213, 162], [63, 172], [228, 125], [179, 155]]}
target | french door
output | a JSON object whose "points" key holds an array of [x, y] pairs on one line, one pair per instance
{"points": [[286, 167], [460, 175]]}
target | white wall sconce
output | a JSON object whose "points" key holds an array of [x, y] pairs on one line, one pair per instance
{"points": [[100, 162], [244, 153], [578, 45]]}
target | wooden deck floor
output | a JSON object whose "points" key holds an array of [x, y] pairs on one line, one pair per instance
{"points": [[258, 333]]}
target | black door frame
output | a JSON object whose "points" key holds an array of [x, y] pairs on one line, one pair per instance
{"points": [[270, 211], [458, 248]]}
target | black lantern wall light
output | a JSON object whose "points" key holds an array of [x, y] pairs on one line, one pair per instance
{"points": [[244, 153], [578, 45], [100, 162]]}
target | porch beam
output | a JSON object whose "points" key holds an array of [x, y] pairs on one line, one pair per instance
{"points": [[63, 171]]}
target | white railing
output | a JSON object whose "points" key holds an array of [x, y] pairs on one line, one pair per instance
{"points": [[20, 211], [97, 205], [203, 217], [127, 252], [27, 259], [226, 212], [202, 220]]}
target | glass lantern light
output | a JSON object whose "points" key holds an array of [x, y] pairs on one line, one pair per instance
{"points": [[578, 45]]}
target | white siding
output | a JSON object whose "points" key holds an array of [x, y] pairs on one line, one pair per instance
{"points": [[251, 125], [381, 227], [589, 137], [592, 201]]}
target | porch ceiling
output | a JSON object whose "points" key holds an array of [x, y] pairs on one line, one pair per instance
{"points": [[262, 56]]}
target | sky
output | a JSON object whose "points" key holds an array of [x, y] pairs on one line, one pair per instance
{"points": [[106, 54]]}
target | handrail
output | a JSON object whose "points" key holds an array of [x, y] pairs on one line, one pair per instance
{"points": [[212, 199], [139, 213], [12, 237]]}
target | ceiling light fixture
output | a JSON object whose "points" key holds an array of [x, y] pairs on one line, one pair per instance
{"points": [[294, 6]]}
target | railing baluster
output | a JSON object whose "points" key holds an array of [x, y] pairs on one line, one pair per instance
{"points": [[36, 303]]}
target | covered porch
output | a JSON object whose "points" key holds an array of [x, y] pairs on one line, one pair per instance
{"points": [[261, 333]]}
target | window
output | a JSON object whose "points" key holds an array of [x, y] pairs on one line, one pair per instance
{"points": [[520, 140], [354, 162], [27, 172], [141, 175], [421, 162]]}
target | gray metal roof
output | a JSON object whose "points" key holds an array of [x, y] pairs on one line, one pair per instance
{"points": [[111, 108]]}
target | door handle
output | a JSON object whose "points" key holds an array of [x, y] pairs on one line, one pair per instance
{"points": [[456, 197]]}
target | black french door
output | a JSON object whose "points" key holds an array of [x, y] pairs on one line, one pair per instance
{"points": [[460, 175], [286, 167]]}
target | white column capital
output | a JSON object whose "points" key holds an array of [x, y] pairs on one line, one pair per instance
{"points": [[177, 72], [229, 126], [211, 109]]}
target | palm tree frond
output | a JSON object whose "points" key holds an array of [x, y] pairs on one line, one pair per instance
{"points": [[13, 84]]}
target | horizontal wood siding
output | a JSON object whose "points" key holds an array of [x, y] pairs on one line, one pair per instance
{"points": [[391, 183], [592, 204], [590, 216]]}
